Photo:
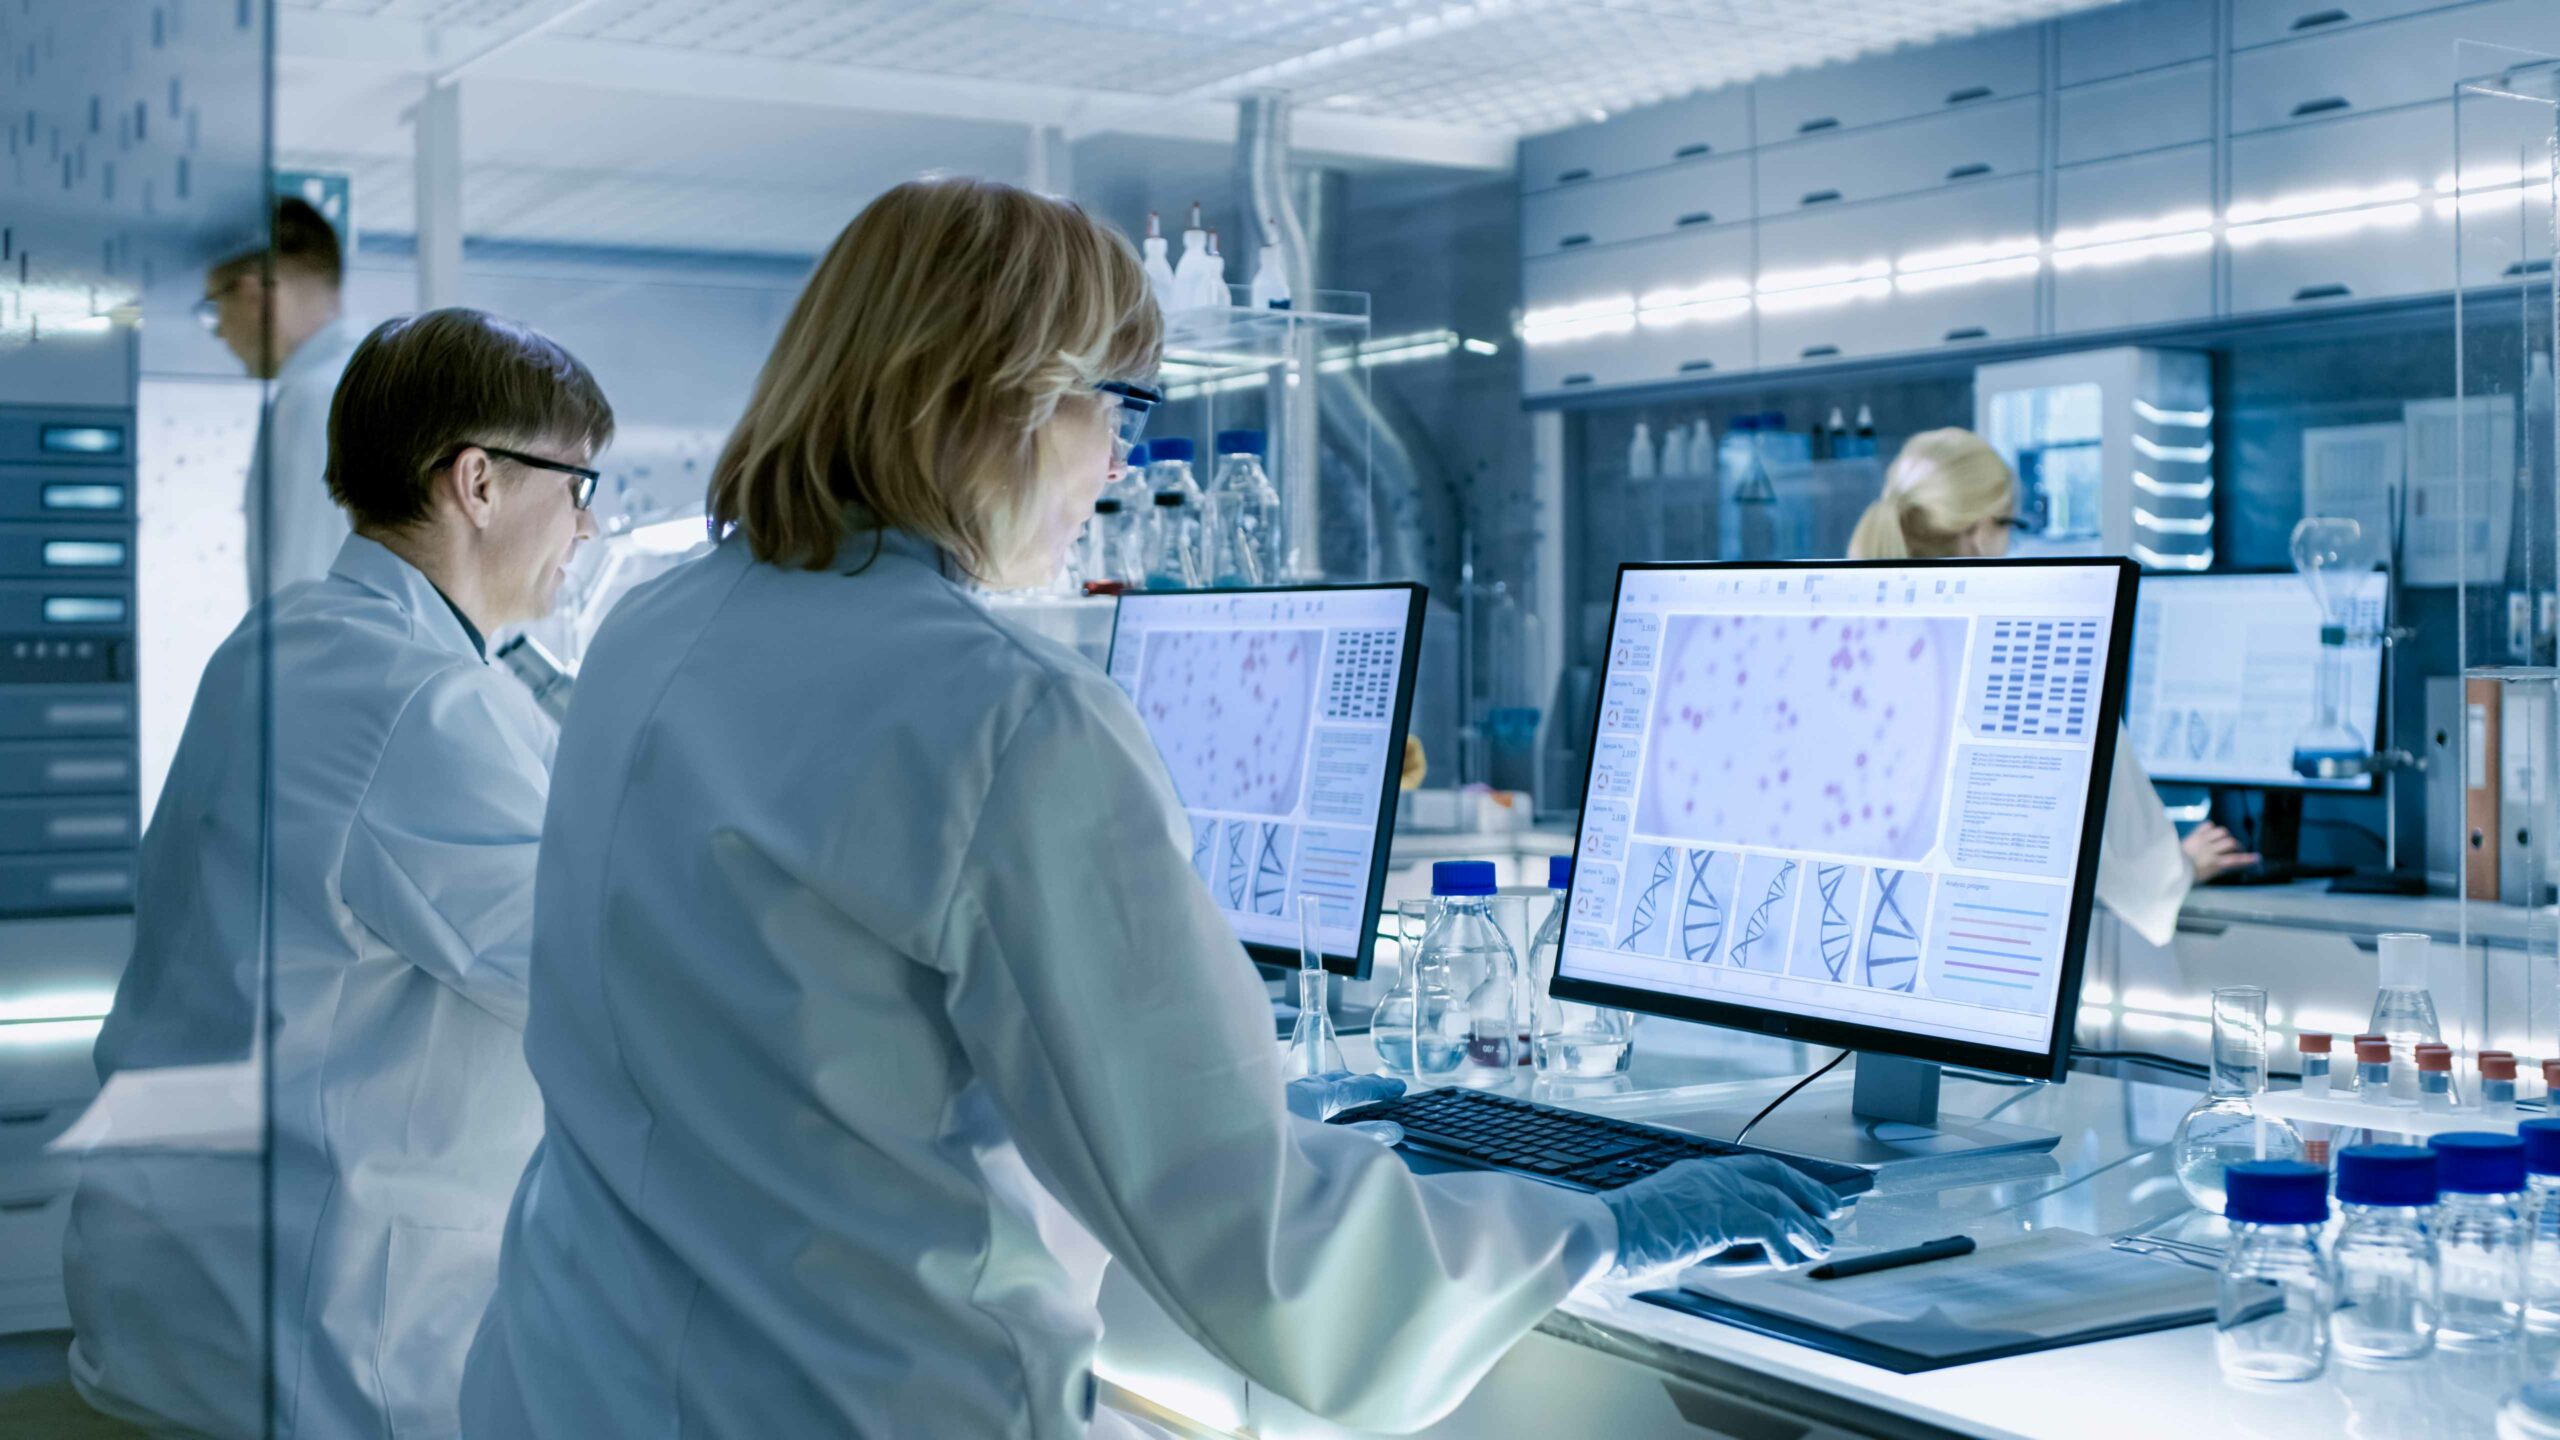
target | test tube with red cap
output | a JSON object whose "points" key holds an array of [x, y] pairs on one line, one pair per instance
{"points": [[2312, 1046], [2373, 1069], [2498, 1082], [2435, 1075]]}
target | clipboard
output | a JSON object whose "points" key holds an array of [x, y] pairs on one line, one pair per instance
{"points": [[2113, 1294]]}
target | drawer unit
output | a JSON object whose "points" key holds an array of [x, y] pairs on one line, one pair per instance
{"points": [[1712, 122], [67, 767], [67, 434], [2264, 22], [72, 822], [32, 549], [65, 607], [74, 883], [1989, 141], [1911, 312], [2123, 38], [2146, 278], [2376, 251], [1635, 207], [1897, 86], [65, 492], [2150, 111], [26, 1127], [66, 712], [1668, 341], [2407, 62]]}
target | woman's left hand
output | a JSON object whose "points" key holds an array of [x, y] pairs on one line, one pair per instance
{"points": [[2212, 853]]}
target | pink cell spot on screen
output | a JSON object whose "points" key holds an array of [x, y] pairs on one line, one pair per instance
{"points": [[1918, 648], [1862, 759]]}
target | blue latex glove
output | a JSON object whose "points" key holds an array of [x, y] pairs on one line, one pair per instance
{"points": [[1698, 1207], [1321, 1097]]}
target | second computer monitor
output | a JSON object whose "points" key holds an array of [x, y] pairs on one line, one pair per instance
{"points": [[1854, 804], [2225, 675], [1281, 715]]}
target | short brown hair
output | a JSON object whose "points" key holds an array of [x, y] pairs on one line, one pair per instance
{"points": [[421, 387], [300, 242], [908, 388]]}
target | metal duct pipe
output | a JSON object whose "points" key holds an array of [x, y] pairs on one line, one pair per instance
{"points": [[1262, 160]]}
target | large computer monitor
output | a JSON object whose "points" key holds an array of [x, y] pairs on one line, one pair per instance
{"points": [[2224, 676], [1855, 804], [1281, 715]]}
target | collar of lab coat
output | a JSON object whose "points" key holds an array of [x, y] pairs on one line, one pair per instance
{"points": [[431, 617]]}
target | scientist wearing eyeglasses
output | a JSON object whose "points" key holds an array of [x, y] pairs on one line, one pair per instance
{"points": [[347, 837], [277, 307]]}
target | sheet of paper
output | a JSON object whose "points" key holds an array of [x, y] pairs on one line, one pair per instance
{"points": [[213, 1108], [2354, 472], [2462, 490]]}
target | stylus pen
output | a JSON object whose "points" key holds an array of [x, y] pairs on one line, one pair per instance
{"points": [[1920, 1254]]}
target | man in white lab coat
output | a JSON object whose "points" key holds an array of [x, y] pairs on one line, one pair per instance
{"points": [[368, 889], [278, 308]]}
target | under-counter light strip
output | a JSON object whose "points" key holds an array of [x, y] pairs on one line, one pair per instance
{"points": [[2298, 215]]}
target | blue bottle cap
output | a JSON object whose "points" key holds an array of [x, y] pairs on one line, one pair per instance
{"points": [[2387, 1175], [2541, 1146], [1170, 447], [1559, 871], [2276, 1192], [1138, 456], [1462, 877], [1242, 442], [2478, 1162]]}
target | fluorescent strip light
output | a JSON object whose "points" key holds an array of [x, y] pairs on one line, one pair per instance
{"points": [[1481, 347], [1822, 277], [1961, 256], [50, 1032], [2158, 561], [1586, 329], [1696, 313], [2187, 419], [1928, 280], [57, 1005], [2174, 454], [1606, 307], [2166, 525], [2174, 490], [1820, 297], [2127, 252], [2320, 202], [2113, 232], [2316, 227], [1696, 294]]}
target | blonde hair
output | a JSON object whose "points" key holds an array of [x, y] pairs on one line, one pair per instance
{"points": [[910, 385], [1942, 485]]}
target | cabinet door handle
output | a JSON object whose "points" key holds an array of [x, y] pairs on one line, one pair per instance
{"points": [[2527, 267], [1575, 380], [1692, 152], [1816, 352], [24, 1204], [1819, 197], [1694, 367], [1567, 177], [23, 1117], [1967, 172], [2321, 292], [2318, 18], [1967, 332], [1968, 94], [1818, 122], [2322, 106], [1694, 217], [1570, 241], [2190, 925]]}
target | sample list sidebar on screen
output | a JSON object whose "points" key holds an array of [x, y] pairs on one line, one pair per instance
{"points": [[1855, 794]]}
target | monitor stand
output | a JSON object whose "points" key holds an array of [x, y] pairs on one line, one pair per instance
{"points": [[1891, 1117]]}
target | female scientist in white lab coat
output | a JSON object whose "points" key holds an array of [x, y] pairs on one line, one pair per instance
{"points": [[1948, 493], [876, 1004]]}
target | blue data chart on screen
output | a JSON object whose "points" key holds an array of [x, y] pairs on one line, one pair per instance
{"points": [[2041, 682]]}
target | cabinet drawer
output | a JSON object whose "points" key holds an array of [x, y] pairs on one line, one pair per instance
{"points": [[1634, 207], [51, 712], [1979, 142], [73, 822], [2153, 260], [1921, 81], [1713, 122], [65, 492], [2123, 38], [2407, 62], [36, 549], [2263, 22], [81, 884], [68, 606], [66, 767], [1669, 341], [66, 435], [1910, 312], [26, 1127], [2151, 111], [32, 1223], [2392, 246]]}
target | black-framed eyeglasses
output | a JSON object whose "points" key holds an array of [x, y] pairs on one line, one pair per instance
{"points": [[208, 311], [582, 490], [1129, 417]]}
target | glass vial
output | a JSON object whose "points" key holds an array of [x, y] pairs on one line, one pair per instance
{"points": [[2311, 1049], [2272, 1322], [2435, 1078], [2373, 1070], [2386, 1254], [2498, 1082]]}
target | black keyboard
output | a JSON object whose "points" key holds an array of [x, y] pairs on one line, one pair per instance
{"points": [[1565, 1147]]}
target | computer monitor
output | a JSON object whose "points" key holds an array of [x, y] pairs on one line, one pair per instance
{"points": [[1855, 804], [1281, 715], [2225, 672]]}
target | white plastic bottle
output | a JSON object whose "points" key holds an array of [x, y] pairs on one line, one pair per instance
{"points": [[1675, 452], [1209, 282], [1159, 269], [1640, 454], [1187, 266], [2403, 1009], [1270, 276]]}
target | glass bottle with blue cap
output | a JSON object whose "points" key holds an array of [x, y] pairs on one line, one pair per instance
{"points": [[2386, 1254], [1569, 1041], [1476, 1041], [1420, 1028], [2480, 1237], [2542, 1245], [1244, 514], [2277, 1286]]}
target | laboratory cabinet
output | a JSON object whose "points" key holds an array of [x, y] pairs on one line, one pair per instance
{"points": [[29, 551], [2268, 22], [62, 492], [74, 822], [2139, 283], [2154, 110], [1636, 207], [46, 712], [2408, 61], [66, 767], [1667, 344], [2123, 38], [1712, 122], [1900, 85], [72, 883], [1911, 312], [1992, 140]]}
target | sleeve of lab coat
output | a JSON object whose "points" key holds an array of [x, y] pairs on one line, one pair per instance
{"points": [[2143, 876], [440, 860], [1110, 1012]]}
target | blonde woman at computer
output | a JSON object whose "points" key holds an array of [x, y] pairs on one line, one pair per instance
{"points": [[1949, 494]]}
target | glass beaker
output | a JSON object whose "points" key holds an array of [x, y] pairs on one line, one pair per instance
{"points": [[2225, 1127], [1419, 1029]]}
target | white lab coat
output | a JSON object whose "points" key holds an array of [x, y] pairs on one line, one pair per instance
{"points": [[878, 1005], [2143, 875], [405, 808], [304, 527]]}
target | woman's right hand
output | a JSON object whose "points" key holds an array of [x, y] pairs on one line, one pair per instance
{"points": [[2212, 853], [1695, 1208]]}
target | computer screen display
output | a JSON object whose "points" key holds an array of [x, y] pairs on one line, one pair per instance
{"points": [[2225, 672], [1854, 803], [1281, 716]]}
